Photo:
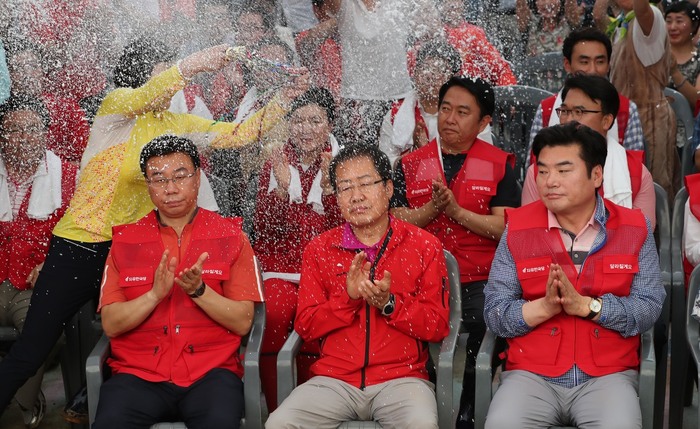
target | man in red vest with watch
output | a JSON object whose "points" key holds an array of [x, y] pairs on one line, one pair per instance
{"points": [[574, 282], [457, 187], [177, 296]]}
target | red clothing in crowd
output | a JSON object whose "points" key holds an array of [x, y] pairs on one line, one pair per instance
{"points": [[359, 345], [183, 342], [556, 345], [479, 57], [24, 241], [69, 129], [326, 67], [283, 229]]}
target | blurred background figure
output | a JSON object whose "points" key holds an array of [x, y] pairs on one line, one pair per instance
{"points": [[295, 203], [682, 21], [547, 24], [35, 188]]}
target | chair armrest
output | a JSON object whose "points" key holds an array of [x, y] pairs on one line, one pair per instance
{"points": [[647, 378], [252, 389], [484, 379], [94, 374], [286, 374], [444, 389]]}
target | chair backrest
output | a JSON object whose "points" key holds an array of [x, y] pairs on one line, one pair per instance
{"points": [[516, 106], [685, 128], [544, 71], [677, 274]]}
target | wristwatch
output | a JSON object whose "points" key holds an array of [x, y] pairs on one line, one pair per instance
{"points": [[198, 292], [390, 305], [594, 306]]}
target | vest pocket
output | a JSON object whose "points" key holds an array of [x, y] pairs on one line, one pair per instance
{"points": [[145, 358], [609, 348], [136, 281], [615, 274], [199, 358], [539, 347]]}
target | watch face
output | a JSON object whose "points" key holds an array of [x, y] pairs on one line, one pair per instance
{"points": [[595, 306]]}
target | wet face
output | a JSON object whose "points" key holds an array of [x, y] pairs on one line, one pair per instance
{"points": [[251, 29], [430, 75], [679, 28], [584, 110], [23, 138], [563, 182], [588, 57], [459, 120], [362, 197], [26, 74], [176, 198], [309, 129]]}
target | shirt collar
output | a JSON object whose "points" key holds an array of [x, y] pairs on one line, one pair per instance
{"points": [[596, 221]]}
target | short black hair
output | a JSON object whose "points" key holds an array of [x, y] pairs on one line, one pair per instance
{"points": [[687, 8], [478, 87], [315, 95], [585, 34], [138, 59], [440, 49], [370, 151], [593, 148], [165, 145], [596, 88], [25, 102]]}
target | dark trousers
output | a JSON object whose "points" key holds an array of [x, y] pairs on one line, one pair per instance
{"points": [[70, 278], [473, 323], [214, 401]]}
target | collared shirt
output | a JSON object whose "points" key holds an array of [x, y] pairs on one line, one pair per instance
{"points": [[629, 315], [18, 191], [350, 241]]}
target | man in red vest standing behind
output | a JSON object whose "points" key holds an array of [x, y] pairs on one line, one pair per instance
{"points": [[177, 296], [457, 187], [574, 283]]}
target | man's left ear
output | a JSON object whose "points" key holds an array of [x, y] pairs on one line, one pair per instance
{"points": [[597, 175], [484, 122], [608, 121]]}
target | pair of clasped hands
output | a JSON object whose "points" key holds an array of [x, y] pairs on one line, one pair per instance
{"points": [[560, 295], [359, 285], [443, 199], [189, 279]]}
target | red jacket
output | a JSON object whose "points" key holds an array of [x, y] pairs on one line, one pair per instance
{"points": [[692, 184], [178, 342], [282, 228], [24, 242], [358, 345], [473, 187], [554, 346]]}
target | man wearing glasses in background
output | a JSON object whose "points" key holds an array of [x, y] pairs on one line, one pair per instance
{"points": [[587, 51], [594, 102], [177, 296], [457, 187], [374, 291]]}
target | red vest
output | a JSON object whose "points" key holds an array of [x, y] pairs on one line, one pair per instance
{"points": [[692, 184], [623, 114], [554, 346], [24, 242], [178, 342], [473, 186]]}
